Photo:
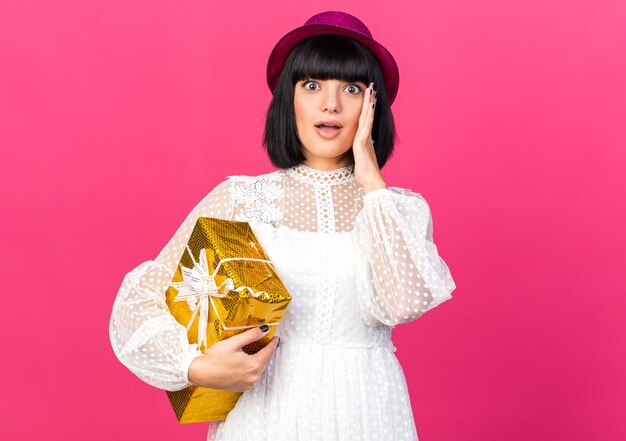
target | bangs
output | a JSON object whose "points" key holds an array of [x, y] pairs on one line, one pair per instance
{"points": [[332, 57]]}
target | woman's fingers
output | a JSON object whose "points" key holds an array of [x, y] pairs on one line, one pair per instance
{"points": [[367, 103], [370, 114], [366, 119], [264, 355], [251, 335]]}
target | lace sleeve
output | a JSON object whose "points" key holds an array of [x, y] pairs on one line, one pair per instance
{"points": [[145, 336], [403, 275]]}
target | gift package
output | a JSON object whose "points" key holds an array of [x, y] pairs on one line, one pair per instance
{"points": [[224, 285]]}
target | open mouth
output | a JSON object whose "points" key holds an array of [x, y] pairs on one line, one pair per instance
{"points": [[328, 131], [327, 126]]}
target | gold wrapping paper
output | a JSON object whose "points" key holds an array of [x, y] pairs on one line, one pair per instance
{"points": [[245, 294]]}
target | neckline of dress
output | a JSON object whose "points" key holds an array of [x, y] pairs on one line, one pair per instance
{"points": [[311, 175]]}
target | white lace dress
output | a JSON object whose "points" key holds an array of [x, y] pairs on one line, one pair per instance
{"points": [[355, 264]]}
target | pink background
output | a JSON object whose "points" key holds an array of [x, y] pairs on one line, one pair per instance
{"points": [[117, 117]]}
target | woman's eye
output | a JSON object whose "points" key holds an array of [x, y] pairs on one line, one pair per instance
{"points": [[306, 83], [353, 87]]}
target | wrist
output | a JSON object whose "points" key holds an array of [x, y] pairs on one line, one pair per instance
{"points": [[197, 371], [373, 186]]}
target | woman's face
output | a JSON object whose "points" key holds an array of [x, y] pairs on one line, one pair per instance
{"points": [[333, 101]]}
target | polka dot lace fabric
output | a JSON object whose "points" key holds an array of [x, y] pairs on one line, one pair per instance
{"points": [[355, 264]]}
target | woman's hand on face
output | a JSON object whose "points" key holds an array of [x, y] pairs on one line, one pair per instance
{"points": [[366, 170], [226, 366]]}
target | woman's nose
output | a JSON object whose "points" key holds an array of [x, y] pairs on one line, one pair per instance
{"points": [[330, 101]]}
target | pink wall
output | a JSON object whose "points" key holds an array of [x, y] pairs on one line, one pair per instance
{"points": [[117, 117]]}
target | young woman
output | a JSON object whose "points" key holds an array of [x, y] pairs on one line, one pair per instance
{"points": [[356, 255]]}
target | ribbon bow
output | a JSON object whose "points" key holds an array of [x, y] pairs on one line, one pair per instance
{"points": [[199, 287]]}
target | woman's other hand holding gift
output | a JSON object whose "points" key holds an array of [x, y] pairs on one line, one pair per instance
{"points": [[226, 366]]}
